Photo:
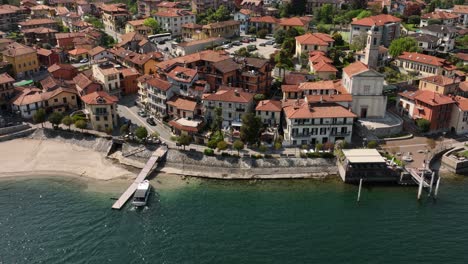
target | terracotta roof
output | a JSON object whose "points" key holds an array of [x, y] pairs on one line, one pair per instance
{"points": [[464, 86], [462, 56], [221, 24], [16, 49], [37, 21], [182, 103], [264, 19], [318, 39], [168, 4], [439, 80], [428, 97], [51, 94], [159, 84], [28, 96], [129, 37], [324, 67], [192, 26], [290, 88], [320, 58], [200, 41], [61, 10], [173, 12], [78, 51], [462, 9], [82, 81], [183, 127], [96, 50], [378, 20], [182, 74], [422, 58], [139, 59], [206, 55], [129, 72], [41, 7], [227, 65], [462, 103], [59, 36], [245, 11], [292, 22], [269, 105], [56, 67], [81, 23], [39, 30], [355, 68], [256, 62], [300, 109], [328, 98], [113, 8], [99, 98], [252, 2], [229, 94], [295, 78], [320, 85], [6, 78], [136, 23], [43, 52], [439, 28], [441, 15]]}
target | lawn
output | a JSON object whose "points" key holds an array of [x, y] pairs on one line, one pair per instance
{"points": [[411, 27]]}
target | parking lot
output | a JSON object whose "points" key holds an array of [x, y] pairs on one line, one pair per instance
{"points": [[263, 51]]}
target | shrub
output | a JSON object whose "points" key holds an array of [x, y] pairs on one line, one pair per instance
{"points": [[268, 156], [318, 147], [372, 144], [222, 145], [55, 119], [327, 155], [141, 132], [262, 148], [423, 124], [208, 152], [225, 154], [313, 155]]}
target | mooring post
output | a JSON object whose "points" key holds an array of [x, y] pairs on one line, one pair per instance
{"points": [[420, 185], [359, 191], [437, 188], [432, 183]]}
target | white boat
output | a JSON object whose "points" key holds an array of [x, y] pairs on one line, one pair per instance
{"points": [[142, 193]]}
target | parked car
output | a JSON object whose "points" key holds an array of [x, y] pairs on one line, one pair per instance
{"points": [[162, 42], [252, 39], [262, 44], [85, 60], [150, 121], [251, 47], [277, 46], [142, 113], [245, 40], [227, 46], [237, 43], [270, 42], [166, 49]]}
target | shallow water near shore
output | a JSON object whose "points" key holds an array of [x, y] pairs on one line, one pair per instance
{"points": [[54, 220]]}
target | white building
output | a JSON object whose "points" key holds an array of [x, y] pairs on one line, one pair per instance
{"points": [[459, 120], [172, 20], [234, 104], [366, 87], [462, 12], [445, 34], [109, 77], [388, 25], [158, 93], [99, 53], [184, 78], [27, 102], [446, 18], [312, 123], [269, 112]]}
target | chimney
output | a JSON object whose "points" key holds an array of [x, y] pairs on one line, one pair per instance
{"points": [[236, 92]]}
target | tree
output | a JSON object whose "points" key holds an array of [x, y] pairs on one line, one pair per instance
{"points": [[259, 97], [124, 129], [250, 129], [221, 14], [398, 46], [372, 144], [423, 124], [384, 10], [252, 30], [364, 14], [238, 145], [67, 121], [414, 19], [318, 147], [184, 140], [153, 24], [40, 117], [262, 33], [325, 14], [283, 60], [279, 36], [141, 132], [338, 39], [218, 120], [55, 119], [289, 45], [222, 145], [323, 29], [81, 124], [359, 41], [412, 9]]}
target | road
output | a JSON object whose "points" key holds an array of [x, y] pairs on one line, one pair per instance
{"points": [[263, 51]]}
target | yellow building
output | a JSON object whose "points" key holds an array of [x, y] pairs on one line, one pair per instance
{"points": [[23, 59], [101, 110], [439, 84], [60, 100], [139, 27]]}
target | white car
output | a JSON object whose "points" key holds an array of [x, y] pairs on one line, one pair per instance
{"points": [[84, 60], [227, 46]]}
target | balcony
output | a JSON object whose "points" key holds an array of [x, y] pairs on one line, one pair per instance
{"points": [[340, 134], [100, 113]]}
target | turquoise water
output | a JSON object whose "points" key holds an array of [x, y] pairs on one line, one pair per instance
{"points": [[59, 221]]}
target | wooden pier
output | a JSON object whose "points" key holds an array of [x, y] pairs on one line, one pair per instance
{"points": [[149, 167], [418, 178]]}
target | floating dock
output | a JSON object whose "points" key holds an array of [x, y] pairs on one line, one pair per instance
{"points": [[149, 167]]}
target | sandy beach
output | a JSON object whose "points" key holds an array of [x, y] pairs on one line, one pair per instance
{"points": [[42, 157]]}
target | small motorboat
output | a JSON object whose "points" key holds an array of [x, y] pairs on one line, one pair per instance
{"points": [[140, 198]]}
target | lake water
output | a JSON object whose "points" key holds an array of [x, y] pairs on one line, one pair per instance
{"points": [[305, 221]]}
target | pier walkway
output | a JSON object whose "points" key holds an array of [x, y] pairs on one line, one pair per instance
{"points": [[417, 177], [149, 166]]}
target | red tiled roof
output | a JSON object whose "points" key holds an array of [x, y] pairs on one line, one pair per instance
{"points": [[269, 105], [323, 66], [37, 21], [129, 72], [192, 26], [43, 52], [462, 9], [464, 86], [329, 98], [179, 126], [159, 84], [320, 85], [355, 68], [99, 98], [182, 103], [462, 103], [462, 56], [78, 51], [293, 22], [300, 109], [56, 67], [264, 19], [245, 11], [290, 88], [378, 20], [422, 58], [207, 55], [428, 97], [229, 94], [27, 96], [439, 80], [173, 12], [182, 74], [96, 50], [318, 39], [441, 15], [6, 78]]}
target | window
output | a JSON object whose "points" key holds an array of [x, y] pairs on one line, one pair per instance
{"points": [[366, 89], [97, 118], [64, 100], [56, 100], [323, 131]]}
